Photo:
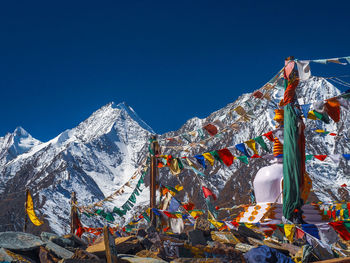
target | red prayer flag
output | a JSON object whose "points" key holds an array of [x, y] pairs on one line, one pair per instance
{"points": [[329, 213], [320, 157], [348, 205], [258, 94], [332, 107], [226, 156], [299, 233], [166, 229], [341, 229], [343, 185], [255, 156], [207, 193], [189, 206], [333, 134], [334, 215], [269, 136], [211, 129], [169, 214]]}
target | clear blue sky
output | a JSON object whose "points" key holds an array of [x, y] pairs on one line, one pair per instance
{"points": [[169, 60]]}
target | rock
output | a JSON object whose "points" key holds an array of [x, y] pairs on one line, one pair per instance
{"points": [[151, 229], [147, 254], [243, 247], [247, 232], [9, 256], [46, 257], [136, 259], [196, 237], [45, 236], [146, 243], [71, 260], [82, 254], [124, 245], [198, 260], [224, 237], [63, 242], [59, 251], [78, 242], [141, 233], [19, 241]]}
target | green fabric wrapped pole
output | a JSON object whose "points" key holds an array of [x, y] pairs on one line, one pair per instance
{"points": [[291, 164]]}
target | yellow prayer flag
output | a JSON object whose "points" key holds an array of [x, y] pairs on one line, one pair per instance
{"points": [[241, 111], [191, 163], [311, 115], [196, 213], [174, 167], [342, 214], [250, 225], [209, 158], [179, 187], [319, 130], [251, 145], [289, 232], [215, 223], [30, 211]]}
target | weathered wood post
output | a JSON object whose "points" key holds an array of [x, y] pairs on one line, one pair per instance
{"points": [[73, 213], [110, 248], [25, 212], [154, 149]]}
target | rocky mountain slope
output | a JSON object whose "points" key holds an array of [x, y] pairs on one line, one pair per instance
{"points": [[101, 154]]}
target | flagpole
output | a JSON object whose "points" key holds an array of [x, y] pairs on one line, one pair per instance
{"points": [[154, 147], [25, 211], [73, 211]]}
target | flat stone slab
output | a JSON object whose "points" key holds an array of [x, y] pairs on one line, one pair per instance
{"points": [[19, 241], [59, 251], [136, 259], [9, 256]]}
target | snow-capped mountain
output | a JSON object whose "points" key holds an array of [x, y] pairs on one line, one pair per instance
{"points": [[98, 156]]}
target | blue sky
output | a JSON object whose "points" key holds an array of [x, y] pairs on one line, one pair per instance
{"points": [[169, 60]]}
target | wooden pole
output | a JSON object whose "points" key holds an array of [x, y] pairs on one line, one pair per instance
{"points": [[73, 211], [111, 252], [25, 211], [153, 178]]}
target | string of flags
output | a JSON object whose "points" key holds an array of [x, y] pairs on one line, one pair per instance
{"points": [[127, 206], [215, 129], [118, 192]]}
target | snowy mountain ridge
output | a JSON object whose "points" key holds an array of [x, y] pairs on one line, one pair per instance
{"points": [[100, 155]]}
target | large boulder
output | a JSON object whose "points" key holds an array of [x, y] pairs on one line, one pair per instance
{"points": [[9, 256], [19, 241]]}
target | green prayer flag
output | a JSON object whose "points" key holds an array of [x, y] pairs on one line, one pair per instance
{"points": [[181, 166], [291, 163], [145, 216], [346, 214], [109, 217], [309, 157], [216, 156], [322, 116], [132, 198], [119, 212], [243, 158], [171, 188], [261, 142]]}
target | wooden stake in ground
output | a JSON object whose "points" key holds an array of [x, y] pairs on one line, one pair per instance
{"points": [[73, 213], [154, 147], [25, 212], [111, 250]]}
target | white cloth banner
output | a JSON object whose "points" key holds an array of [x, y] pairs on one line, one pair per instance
{"points": [[304, 69]]}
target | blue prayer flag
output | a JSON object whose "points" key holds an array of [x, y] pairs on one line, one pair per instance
{"points": [[241, 147], [200, 159], [174, 205]]}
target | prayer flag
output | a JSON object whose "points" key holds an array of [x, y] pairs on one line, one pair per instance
{"points": [[216, 156], [310, 229], [332, 107], [188, 206], [299, 233], [251, 145], [303, 69], [226, 156], [346, 156], [200, 159], [211, 129], [241, 147], [30, 211], [174, 205], [243, 159], [269, 136], [305, 109], [320, 157], [208, 192], [340, 229], [261, 142], [289, 232], [174, 166], [209, 158]]}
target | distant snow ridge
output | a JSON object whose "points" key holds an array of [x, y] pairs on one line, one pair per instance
{"points": [[98, 156]]}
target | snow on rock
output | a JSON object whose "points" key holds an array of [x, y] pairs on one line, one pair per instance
{"points": [[98, 156]]}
